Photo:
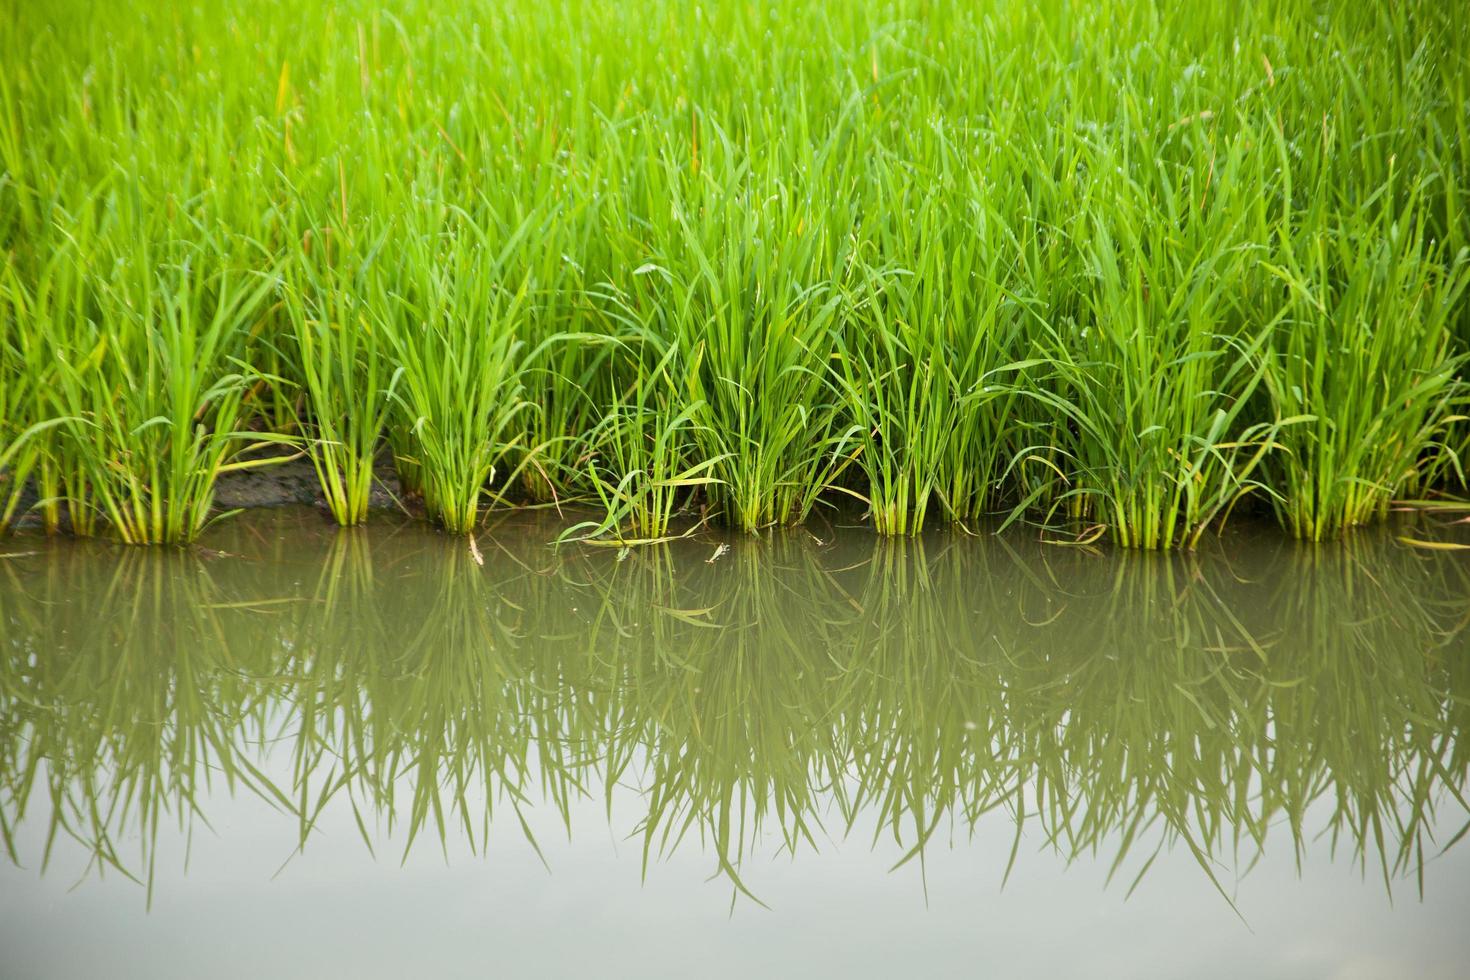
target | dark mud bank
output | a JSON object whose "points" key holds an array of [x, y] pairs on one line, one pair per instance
{"points": [[286, 484]]}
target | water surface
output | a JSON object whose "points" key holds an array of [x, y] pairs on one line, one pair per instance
{"points": [[299, 751]]}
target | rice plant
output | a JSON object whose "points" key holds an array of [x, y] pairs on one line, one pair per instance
{"points": [[451, 322], [1364, 355], [740, 294], [639, 461], [28, 418], [347, 381], [153, 396], [1157, 374], [918, 365], [1072, 263]]}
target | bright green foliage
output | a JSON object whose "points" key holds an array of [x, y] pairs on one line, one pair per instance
{"points": [[345, 379], [153, 396], [1125, 264], [1155, 373], [451, 321], [1363, 352], [27, 413], [917, 372], [639, 464], [754, 325]]}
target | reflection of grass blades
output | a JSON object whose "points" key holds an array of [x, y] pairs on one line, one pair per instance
{"points": [[1123, 703], [447, 709], [159, 724], [729, 746], [1315, 709]]}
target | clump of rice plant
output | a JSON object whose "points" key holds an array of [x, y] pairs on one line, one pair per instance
{"points": [[346, 376], [451, 323], [152, 393], [739, 291], [639, 463], [917, 361], [28, 419], [1362, 351], [1156, 375]]}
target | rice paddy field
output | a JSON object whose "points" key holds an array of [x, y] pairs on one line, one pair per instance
{"points": [[1122, 269], [907, 488], [875, 490]]}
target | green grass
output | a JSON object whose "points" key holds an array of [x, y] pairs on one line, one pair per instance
{"points": [[1108, 264], [1154, 376], [451, 320], [1364, 353], [346, 381]]}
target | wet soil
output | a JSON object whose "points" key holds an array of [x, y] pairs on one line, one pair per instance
{"points": [[281, 485]]}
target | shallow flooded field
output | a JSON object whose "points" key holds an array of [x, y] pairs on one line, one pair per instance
{"points": [[382, 752]]}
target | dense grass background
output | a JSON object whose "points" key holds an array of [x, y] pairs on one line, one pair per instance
{"points": [[1113, 263]]}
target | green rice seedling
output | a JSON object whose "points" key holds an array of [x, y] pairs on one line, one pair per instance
{"points": [[451, 322], [39, 312], [569, 343], [152, 393], [1363, 349], [21, 352], [561, 414], [1156, 376], [754, 324], [402, 448], [1445, 140], [639, 465], [347, 387], [15, 461], [916, 361], [17, 458], [26, 423]]}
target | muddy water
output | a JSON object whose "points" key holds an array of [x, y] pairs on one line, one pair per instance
{"points": [[302, 752]]}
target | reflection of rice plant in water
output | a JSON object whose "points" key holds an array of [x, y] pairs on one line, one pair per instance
{"points": [[1125, 264], [788, 691]]}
